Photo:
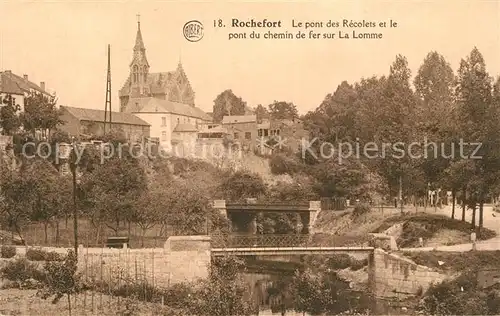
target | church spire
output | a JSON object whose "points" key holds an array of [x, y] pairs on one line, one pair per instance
{"points": [[139, 67], [139, 44]]}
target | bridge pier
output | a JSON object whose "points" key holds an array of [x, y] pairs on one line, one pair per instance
{"points": [[308, 213]]}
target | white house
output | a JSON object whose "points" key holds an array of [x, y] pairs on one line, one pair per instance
{"points": [[19, 88]]}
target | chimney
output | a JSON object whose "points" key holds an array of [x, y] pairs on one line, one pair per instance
{"points": [[42, 85], [25, 77]]}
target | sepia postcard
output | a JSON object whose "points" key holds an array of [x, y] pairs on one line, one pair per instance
{"points": [[241, 158]]}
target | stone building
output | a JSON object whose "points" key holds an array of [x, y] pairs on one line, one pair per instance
{"points": [[79, 121], [243, 129], [163, 99], [289, 133]]}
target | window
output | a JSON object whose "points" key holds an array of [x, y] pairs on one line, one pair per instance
{"points": [[266, 132], [135, 74], [163, 121], [248, 135], [236, 136], [163, 136], [178, 120], [259, 133]]}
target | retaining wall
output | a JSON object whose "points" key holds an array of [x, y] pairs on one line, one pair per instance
{"points": [[390, 275], [182, 259]]}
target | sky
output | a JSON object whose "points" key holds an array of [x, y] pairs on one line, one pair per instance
{"points": [[64, 43]]}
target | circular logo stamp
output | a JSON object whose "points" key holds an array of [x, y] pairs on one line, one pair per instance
{"points": [[193, 31]]}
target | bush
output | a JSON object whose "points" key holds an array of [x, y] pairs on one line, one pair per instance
{"points": [[344, 261], [8, 251], [42, 255], [21, 270], [178, 295], [283, 165], [360, 209]]}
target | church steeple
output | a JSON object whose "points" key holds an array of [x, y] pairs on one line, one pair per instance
{"points": [[139, 44], [139, 67]]}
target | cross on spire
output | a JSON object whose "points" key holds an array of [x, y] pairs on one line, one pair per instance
{"points": [[138, 20]]}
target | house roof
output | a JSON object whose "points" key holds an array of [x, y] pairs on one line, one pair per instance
{"points": [[234, 119], [264, 125], [12, 83], [149, 105], [161, 82], [216, 129], [98, 116], [185, 127], [7, 85]]}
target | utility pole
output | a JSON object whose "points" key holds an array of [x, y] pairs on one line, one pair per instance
{"points": [[107, 105], [73, 166], [401, 193]]}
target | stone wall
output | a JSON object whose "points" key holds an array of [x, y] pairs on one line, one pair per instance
{"points": [[182, 259], [390, 275], [188, 258]]}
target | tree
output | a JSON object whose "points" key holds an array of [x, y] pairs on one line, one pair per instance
{"points": [[17, 194], [261, 112], [9, 118], [148, 210], [40, 113], [62, 279], [187, 207], [112, 189], [479, 124], [283, 110], [434, 86], [49, 198], [241, 185], [223, 294], [335, 118], [227, 103]]}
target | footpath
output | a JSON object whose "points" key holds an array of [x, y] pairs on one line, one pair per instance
{"points": [[491, 220]]}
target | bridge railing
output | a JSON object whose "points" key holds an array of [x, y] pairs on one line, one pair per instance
{"points": [[255, 241], [287, 240]]}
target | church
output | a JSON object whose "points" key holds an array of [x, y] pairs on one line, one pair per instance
{"points": [[165, 100]]}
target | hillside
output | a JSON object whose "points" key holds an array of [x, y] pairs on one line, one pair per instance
{"points": [[406, 228]]}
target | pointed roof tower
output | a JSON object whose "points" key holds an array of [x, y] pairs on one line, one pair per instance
{"points": [[139, 44], [139, 48]]}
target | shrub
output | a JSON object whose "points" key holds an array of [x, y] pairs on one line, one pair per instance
{"points": [[42, 255], [8, 251], [360, 209], [283, 165], [341, 261], [178, 295], [21, 270], [344, 261]]}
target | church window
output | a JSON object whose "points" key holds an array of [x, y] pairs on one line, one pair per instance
{"points": [[135, 73], [163, 136]]}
